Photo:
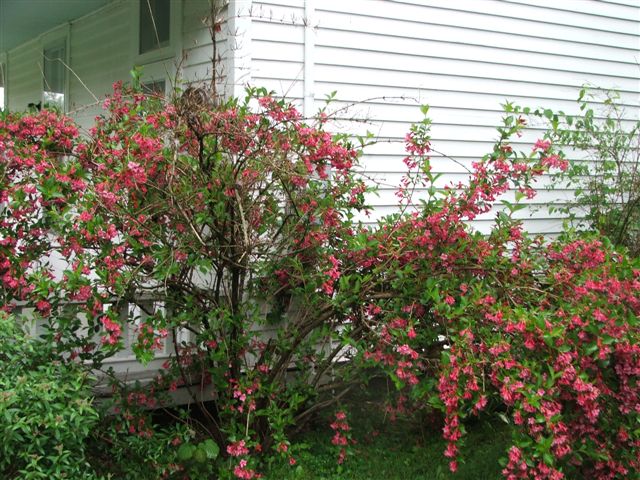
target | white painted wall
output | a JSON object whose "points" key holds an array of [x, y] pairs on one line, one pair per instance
{"points": [[386, 57], [100, 54], [197, 63], [463, 57], [24, 78]]}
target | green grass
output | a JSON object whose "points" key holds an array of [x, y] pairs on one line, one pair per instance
{"points": [[403, 450]]}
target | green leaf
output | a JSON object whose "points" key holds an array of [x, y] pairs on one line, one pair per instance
{"points": [[185, 452], [504, 418], [211, 448], [591, 349], [200, 455]]}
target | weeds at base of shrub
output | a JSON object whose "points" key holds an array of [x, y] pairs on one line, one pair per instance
{"points": [[393, 450]]}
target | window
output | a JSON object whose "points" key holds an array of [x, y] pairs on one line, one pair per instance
{"points": [[154, 87], [3, 76], [155, 78], [54, 79], [159, 25], [154, 25]]}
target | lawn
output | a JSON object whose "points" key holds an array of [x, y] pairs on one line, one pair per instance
{"points": [[409, 448]]}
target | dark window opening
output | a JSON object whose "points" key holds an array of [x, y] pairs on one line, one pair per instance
{"points": [[154, 88], [54, 77], [2, 84], [154, 30]]}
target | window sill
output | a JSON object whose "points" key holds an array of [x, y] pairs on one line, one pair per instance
{"points": [[155, 55]]}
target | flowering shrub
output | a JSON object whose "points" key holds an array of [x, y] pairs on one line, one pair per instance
{"points": [[602, 143], [342, 435], [229, 229], [548, 333], [224, 219]]}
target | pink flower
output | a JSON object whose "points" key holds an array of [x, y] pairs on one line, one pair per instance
{"points": [[282, 447], [481, 403], [137, 172], [408, 351], [555, 161], [542, 145], [113, 329], [241, 471], [83, 294], [515, 454], [237, 449], [43, 307], [85, 216]]}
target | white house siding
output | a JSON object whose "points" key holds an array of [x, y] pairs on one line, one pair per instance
{"points": [[197, 65], [100, 54], [101, 51], [384, 58], [462, 57], [277, 48], [24, 79]]}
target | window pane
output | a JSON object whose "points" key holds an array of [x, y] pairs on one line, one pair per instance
{"points": [[2, 77], [154, 24], [54, 70], [154, 88], [54, 77]]}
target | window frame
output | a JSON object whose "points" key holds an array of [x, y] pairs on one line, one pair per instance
{"points": [[59, 37], [160, 71], [175, 35], [4, 68]]}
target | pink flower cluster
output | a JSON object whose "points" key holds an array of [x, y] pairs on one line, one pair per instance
{"points": [[341, 437], [113, 329]]}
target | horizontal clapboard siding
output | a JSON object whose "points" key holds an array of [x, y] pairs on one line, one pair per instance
{"points": [[384, 58], [100, 52], [24, 79], [278, 32], [618, 9], [489, 15], [465, 58], [198, 64]]}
